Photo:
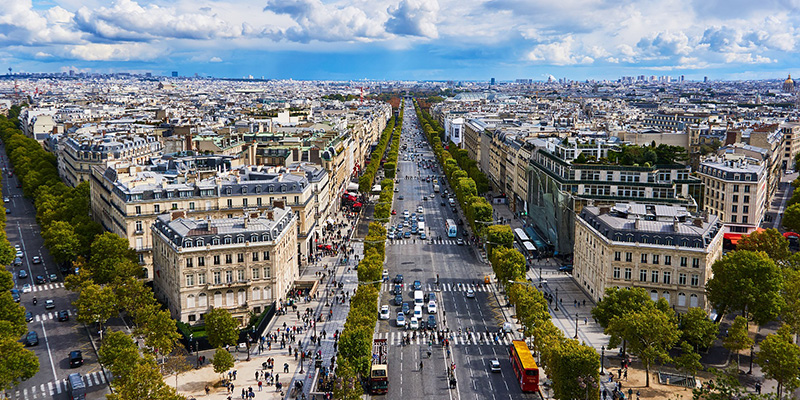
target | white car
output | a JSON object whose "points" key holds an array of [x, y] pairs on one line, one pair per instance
{"points": [[401, 319], [16, 247], [418, 312], [19, 253], [470, 294], [405, 213], [414, 323], [419, 209], [432, 308], [384, 312], [6, 199], [26, 288]]}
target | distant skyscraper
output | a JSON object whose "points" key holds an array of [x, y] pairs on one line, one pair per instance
{"points": [[705, 79], [492, 82], [174, 74], [148, 74], [788, 85], [681, 78]]}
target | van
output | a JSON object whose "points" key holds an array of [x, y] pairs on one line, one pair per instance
{"points": [[75, 387], [419, 298], [436, 188]]}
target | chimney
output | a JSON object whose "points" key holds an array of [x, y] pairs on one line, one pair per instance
{"points": [[637, 223], [675, 223], [176, 215], [698, 222], [605, 210]]}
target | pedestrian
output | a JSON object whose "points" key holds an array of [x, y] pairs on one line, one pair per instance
{"points": [[586, 321], [625, 374]]}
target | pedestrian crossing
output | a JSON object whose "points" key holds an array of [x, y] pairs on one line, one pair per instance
{"points": [[446, 287], [400, 242], [53, 315], [54, 388], [47, 286], [395, 338]]}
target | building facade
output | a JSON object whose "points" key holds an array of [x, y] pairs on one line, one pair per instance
{"points": [[77, 155], [663, 249], [736, 191], [242, 264]]}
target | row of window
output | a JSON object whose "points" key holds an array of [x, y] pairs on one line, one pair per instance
{"points": [[200, 242], [217, 260], [217, 276], [646, 258], [230, 298], [245, 203], [656, 276]]}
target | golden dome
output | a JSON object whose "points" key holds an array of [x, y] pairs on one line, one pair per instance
{"points": [[789, 80]]}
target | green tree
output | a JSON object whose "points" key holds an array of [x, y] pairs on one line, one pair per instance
{"points": [[688, 361], [17, 364], [119, 353], [6, 280], [143, 383], [791, 216], [574, 370], [769, 241], [112, 258], [159, 332], [346, 386], [738, 337], [96, 304], [618, 302], [748, 282], [62, 241], [508, 265], [697, 329], [222, 329], [790, 314], [779, 359], [649, 332], [498, 235], [12, 316], [222, 361]]}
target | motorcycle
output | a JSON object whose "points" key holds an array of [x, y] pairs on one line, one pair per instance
{"points": [[34, 301]]}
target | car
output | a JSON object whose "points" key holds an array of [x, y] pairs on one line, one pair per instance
{"points": [[400, 226], [22, 274], [398, 299], [398, 278], [431, 307], [400, 197], [385, 275], [417, 285], [390, 235], [31, 339], [423, 236], [494, 365], [405, 213], [413, 323], [421, 218], [407, 235], [394, 212], [75, 358], [63, 315], [26, 288], [20, 253], [384, 312], [40, 279], [406, 307], [425, 198], [442, 204], [401, 319], [396, 189], [28, 316], [565, 268], [49, 304], [6, 200], [36, 260], [8, 211], [470, 294], [417, 312], [16, 247], [460, 241], [15, 295], [432, 322], [53, 278], [398, 289], [414, 229], [17, 261]]}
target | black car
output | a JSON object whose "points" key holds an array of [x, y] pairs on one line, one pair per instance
{"points": [[565, 268], [398, 299], [75, 358], [22, 274], [31, 339], [63, 315], [28, 316], [53, 278], [40, 279], [417, 285], [398, 278], [432, 322], [15, 295], [398, 289]]}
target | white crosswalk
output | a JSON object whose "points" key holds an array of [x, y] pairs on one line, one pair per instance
{"points": [[395, 338], [53, 315], [53, 388], [401, 242], [47, 286], [445, 287]]}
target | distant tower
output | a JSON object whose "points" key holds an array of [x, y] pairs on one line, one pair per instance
{"points": [[788, 85], [492, 81]]}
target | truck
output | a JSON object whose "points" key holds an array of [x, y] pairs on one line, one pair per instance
{"points": [[378, 372], [436, 187], [421, 227]]}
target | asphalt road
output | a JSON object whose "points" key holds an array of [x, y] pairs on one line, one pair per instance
{"points": [[459, 269], [56, 339]]}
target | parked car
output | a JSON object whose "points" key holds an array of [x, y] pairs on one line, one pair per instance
{"points": [[384, 312], [31, 339], [75, 358], [28, 316], [565, 268], [22, 274]]}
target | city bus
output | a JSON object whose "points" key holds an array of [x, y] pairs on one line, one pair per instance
{"points": [[524, 366], [452, 228]]}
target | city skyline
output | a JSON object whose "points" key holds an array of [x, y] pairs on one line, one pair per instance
{"points": [[403, 39]]}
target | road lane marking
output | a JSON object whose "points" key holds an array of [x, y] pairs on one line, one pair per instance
{"points": [[49, 353]]}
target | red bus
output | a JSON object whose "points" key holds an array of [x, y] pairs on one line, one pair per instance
{"points": [[524, 366]]}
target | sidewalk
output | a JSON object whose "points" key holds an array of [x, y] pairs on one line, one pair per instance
{"points": [[193, 383]]}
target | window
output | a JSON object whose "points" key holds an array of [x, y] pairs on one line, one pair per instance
{"points": [[189, 262], [228, 276], [216, 260], [734, 208], [201, 261], [695, 280], [255, 256], [244, 202], [745, 209], [174, 206], [217, 277], [683, 261], [693, 300], [654, 276], [190, 280], [190, 301], [157, 208], [628, 274], [266, 256], [643, 275], [616, 272], [736, 188], [628, 257], [682, 299], [258, 201], [256, 273], [201, 279], [747, 188], [228, 258], [733, 219], [746, 199], [138, 210], [230, 203], [744, 219], [644, 258], [654, 295], [667, 277], [695, 262], [191, 205], [240, 275], [240, 257], [667, 260], [655, 258], [736, 198], [617, 256], [139, 226], [681, 278], [267, 273]]}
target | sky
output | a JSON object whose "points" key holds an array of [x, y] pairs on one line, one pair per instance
{"points": [[405, 39]]}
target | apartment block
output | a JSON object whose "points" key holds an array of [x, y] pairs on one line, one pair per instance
{"points": [[78, 154], [736, 190]]}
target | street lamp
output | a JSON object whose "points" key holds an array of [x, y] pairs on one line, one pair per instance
{"points": [[750, 371], [302, 361], [556, 299], [576, 326], [602, 359], [540, 276]]}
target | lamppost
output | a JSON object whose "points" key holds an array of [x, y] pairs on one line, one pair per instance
{"points": [[576, 326], [556, 299], [602, 359], [302, 361], [540, 276], [750, 371]]}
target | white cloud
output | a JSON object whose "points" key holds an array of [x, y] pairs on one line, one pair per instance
{"points": [[41, 54], [327, 23], [115, 52], [414, 18], [215, 60], [558, 53]]}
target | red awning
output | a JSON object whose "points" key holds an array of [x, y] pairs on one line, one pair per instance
{"points": [[791, 234], [735, 237], [357, 205]]}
